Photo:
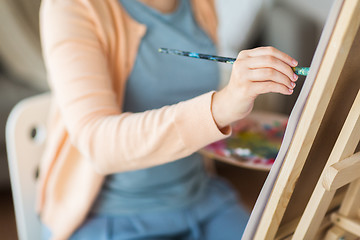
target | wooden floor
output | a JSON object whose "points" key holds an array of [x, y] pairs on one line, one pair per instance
{"points": [[247, 182], [7, 217]]}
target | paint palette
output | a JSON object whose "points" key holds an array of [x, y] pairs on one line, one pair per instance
{"points": [[254, 143]]}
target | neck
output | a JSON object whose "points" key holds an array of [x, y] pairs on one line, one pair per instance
{"points": [[163, 6]]}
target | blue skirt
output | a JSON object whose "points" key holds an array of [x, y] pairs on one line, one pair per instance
{"points": [[218, 215]]}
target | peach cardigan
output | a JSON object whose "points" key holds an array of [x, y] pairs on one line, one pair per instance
{"points": [[89, 48]]}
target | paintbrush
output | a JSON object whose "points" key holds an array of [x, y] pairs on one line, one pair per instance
{"points": [[298, 70]]}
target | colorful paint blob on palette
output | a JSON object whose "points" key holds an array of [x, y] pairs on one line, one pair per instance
{"points": [[252, 142]]}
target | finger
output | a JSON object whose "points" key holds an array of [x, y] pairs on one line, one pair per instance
{"points": [[263, 51], [269, 74], [272, 62], [267, 87]]}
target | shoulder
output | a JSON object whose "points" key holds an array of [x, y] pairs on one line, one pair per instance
{"points": [[100, 12], [205, 14], [55, 11], [77, 7], [61, 4], [68, 21], [73, 14]]}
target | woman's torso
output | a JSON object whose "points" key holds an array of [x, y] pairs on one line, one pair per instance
{"points": [[155, 81]]}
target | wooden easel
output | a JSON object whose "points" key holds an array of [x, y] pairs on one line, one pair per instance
{"points": [[341, 169], [347, 220], [320, 159]]}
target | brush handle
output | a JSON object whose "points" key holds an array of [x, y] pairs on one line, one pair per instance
{"points": [[197, 55], [303, 71]]}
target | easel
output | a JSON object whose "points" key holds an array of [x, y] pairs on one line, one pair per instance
{"points": [[341, 169], [321, 159], [347, 220]]}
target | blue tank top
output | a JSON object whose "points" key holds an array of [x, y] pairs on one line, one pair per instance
{"points": [[155, 81]]}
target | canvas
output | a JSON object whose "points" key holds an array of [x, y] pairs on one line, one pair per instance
{"points": [[314, 124]]}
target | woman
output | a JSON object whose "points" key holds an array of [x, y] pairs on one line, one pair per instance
{"points": [[126, 121]]}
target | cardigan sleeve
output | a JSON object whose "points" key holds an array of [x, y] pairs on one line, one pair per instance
{"points": [[80, 79]]}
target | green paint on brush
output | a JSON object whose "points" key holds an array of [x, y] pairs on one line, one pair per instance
{"points": [[303, 71]]}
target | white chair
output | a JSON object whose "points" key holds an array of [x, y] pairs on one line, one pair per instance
{"points": [[25, 137]]}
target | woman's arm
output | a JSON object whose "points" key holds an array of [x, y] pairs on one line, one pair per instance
{"points": [[80, 79]]}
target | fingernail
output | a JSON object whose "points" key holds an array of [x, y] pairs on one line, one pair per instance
{"points": [[293, 84], [295, 77], [291, 91], [294, 62]]}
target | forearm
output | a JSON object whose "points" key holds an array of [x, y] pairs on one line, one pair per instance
{"points": [[133, 141]]}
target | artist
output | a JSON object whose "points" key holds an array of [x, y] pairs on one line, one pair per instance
{"points": [[126, 121]]}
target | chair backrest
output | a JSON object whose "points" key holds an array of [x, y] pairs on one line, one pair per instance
{"points": [[25, 137]]}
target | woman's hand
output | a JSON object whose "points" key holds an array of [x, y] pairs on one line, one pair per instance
{"points": [[256, 71]]}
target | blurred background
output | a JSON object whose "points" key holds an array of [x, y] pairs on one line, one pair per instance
{"points": [[289, 25]]}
